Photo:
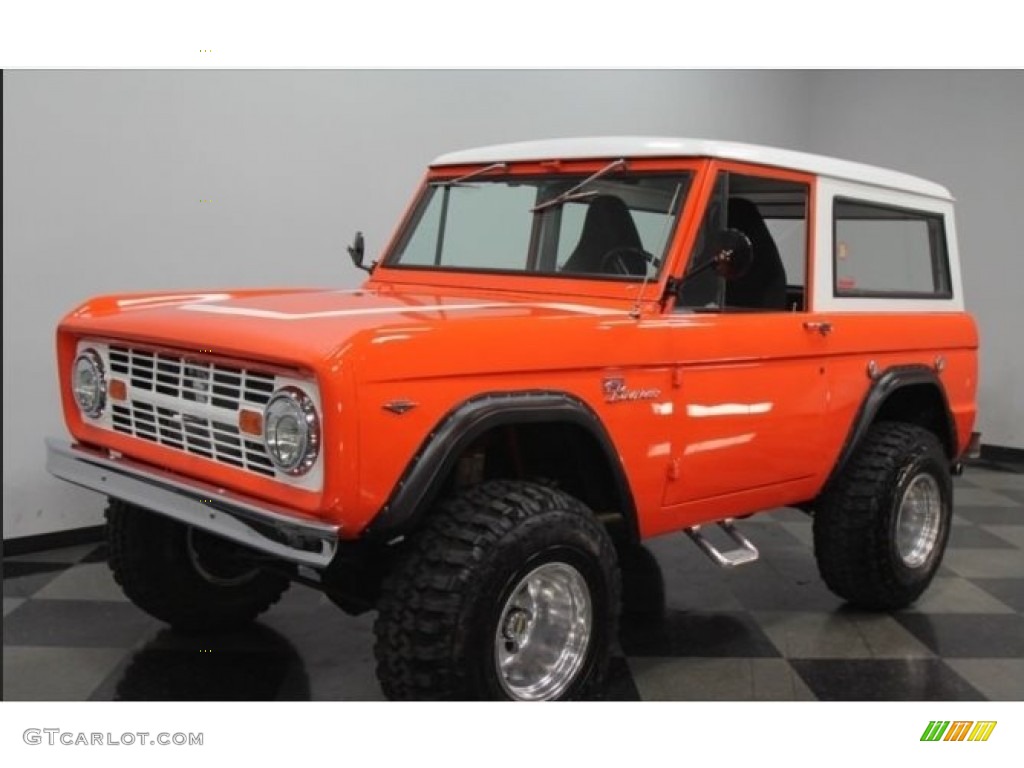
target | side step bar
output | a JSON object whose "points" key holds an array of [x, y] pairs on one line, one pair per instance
{"points": [[745, 552]]}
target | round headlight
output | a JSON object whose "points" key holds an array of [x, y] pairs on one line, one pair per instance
{"points": [[291, 430], [88, 384]]}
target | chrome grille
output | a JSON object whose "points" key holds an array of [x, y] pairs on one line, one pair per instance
{"points": [[191, 404], [196, 380]]}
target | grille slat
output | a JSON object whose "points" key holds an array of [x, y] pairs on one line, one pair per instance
{"points": [[203, 389]]}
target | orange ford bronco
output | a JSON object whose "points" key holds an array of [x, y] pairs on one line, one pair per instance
{"points": [[567, 347]]}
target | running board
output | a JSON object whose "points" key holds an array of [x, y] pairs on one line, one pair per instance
{"points": [[745, 552]]}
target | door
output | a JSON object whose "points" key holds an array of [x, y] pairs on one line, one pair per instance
{"points": [[752, 378]]}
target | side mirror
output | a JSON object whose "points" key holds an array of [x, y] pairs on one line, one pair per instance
{"points": [[356, 250], [729, 253], [732, 253]]}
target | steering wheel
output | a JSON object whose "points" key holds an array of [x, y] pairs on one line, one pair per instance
{"points": [[627, 260]]}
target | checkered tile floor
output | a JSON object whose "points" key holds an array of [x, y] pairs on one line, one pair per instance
{"points": [[766, 631]]}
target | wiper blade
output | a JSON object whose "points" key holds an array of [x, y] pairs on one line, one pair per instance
{"points": [[574, 193], [461, 180], [564, 198]]}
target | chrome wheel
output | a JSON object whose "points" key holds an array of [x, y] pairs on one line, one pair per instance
{"points": [[543, 633], [918, 520]]}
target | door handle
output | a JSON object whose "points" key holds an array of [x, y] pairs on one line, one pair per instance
{"points": [[822, 327]]}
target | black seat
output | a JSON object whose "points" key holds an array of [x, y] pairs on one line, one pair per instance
{"points": [[764, 284], [607, 227]]}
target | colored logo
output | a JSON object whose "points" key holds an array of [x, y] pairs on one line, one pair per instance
{"points": [[958, 730]]}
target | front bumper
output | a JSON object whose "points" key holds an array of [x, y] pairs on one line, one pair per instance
{"points": [[247, 521]]}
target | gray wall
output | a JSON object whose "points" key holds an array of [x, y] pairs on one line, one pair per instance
{"points": [[966, 131], [104, 173]]}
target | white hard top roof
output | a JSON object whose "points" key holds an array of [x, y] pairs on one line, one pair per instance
{"points": [[613, 147]]}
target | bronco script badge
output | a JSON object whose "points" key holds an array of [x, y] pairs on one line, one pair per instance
{"points": [[616, 391]]}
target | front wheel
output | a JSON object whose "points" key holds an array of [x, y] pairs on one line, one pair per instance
{"points": [[880, 532], [511, 591], [194, 581]]}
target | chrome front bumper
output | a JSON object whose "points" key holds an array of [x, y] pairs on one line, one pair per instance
{"points": [[253, 523]]}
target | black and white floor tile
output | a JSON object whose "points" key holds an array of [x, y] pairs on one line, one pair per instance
{"points": [[767, 631]]}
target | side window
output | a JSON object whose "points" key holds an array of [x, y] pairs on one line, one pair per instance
{"points": [[886, 251], [772, 213], [790, 235]]}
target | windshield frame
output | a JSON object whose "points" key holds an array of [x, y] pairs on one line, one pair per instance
{"points": [[568, 283]]}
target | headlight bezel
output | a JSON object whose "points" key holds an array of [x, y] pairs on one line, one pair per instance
{"points": [[92, 358], [303, 409]]}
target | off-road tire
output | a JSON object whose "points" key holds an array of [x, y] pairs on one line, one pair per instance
{"points": [[440, 606], [855, 521], [151, 560]]}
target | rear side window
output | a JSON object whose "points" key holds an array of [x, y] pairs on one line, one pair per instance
{"points": [[885, 251]]}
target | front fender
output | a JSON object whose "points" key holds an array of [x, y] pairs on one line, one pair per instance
{"points": [[424, 476]]}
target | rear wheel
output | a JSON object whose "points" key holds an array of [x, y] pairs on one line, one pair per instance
{"points": [[881, 530], [188, 578], [511, 591]]}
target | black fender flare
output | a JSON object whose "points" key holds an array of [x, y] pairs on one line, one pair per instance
{"points": [[422, 479], [884, 385]]}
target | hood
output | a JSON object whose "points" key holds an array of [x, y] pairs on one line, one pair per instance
{"points": [[300, 326]]}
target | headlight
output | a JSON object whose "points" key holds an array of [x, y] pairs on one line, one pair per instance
{"points": [[291, 430], [88, 383]]}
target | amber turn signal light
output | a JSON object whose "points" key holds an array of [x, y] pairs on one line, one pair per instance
{"points": [[251, 422], [117, 390]]}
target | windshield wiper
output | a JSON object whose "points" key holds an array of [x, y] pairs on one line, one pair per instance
{"points": [[574, 193], [461, 180]]}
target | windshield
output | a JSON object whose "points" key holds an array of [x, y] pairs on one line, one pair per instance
{"points": [[617, 226]]}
